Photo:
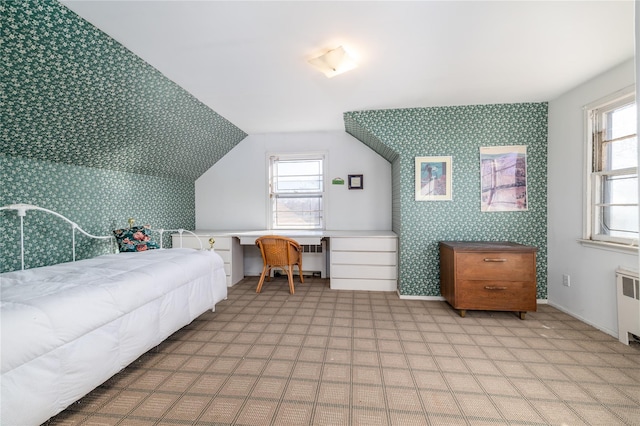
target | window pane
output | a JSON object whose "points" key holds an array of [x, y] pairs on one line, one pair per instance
{"points": [[297, 212], [621, 121], [621, 154], [619, 221], [298, 176], [298, 183], [621, 189], [614, 203]]}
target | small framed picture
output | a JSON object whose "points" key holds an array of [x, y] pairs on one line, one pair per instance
{"points": [[433, 178], [355, 182]]}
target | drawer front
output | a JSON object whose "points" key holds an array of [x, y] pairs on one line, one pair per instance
{"points": [[225, 255], [502, 266], [496, 295], [364, 285], [363, 258], [222, 243], [190, 241], [363, 244], [364, 272], [187, 242]]}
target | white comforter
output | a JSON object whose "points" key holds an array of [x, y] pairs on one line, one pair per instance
{"points": [[67, 328]]}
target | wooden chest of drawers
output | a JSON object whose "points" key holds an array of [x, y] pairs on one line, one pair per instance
{"points": [[492, 276]]}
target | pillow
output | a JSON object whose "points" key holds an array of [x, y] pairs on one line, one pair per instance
{"points": [[136, 238]]}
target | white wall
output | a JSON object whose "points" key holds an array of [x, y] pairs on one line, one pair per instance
{"points": [[592, 294], [231, 195]]}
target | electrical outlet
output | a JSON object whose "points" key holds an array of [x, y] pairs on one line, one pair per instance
{"points": [[566, 280]]}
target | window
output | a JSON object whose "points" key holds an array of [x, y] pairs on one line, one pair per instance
{"points": [[296, 191], [613, 203]]}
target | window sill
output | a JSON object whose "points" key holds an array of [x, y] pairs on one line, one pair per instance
{"points": [[620, 248]]}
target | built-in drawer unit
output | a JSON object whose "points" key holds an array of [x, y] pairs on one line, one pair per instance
{"points": [[364, 263], [227, 247], [495, 276]]}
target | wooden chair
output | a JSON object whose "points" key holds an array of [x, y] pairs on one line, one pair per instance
{"points": [[279, 252]]}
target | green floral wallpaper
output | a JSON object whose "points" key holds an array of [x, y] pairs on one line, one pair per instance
{"points": [[71, 94], [91, 131], [98, 200], [458, 131]]}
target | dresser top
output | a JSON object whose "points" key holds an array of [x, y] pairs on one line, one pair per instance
{"points": [[487, 246]]}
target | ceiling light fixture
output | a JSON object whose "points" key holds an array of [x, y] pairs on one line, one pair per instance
{"points": [[334, 62]]}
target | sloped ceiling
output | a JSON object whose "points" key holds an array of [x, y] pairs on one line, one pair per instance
{"points": [[176, 84], [73, 95], [247, 60]]}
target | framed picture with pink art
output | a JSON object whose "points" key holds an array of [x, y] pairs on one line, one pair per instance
{"points": [[503, 178], [433, 178]]}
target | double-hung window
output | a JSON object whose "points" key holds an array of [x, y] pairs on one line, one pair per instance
{"points": [[613, 197], [296, 191]]}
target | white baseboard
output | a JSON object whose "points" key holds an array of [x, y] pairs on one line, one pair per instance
{"points": [[430, 298], [584, 320], [440, 298], [362, 285]]}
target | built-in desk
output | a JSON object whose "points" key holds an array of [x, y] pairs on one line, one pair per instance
{"points": [[357, 260], [303, 237]]}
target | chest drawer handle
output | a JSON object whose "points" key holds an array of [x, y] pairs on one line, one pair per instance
{"points": [[493, 287], [488, 259]]}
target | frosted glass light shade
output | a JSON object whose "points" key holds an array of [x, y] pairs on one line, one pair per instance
{"points": [[334, 62]]}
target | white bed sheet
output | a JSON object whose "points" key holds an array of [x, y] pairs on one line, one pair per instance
{"points": [[67, 328]]}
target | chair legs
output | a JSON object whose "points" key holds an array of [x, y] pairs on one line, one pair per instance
{"points": [[266, 274], [292, 290]]}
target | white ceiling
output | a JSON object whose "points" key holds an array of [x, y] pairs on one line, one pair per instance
{"points": [[248, 60]]}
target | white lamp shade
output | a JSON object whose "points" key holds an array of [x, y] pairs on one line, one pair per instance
{"points": [[334, 62]]}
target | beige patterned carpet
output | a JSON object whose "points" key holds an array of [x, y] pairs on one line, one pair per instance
{"points": [[325, 357]]}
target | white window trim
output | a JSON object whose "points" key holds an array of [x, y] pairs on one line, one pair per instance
{"points": [[588, 239], [605, 245], [298, 155]]}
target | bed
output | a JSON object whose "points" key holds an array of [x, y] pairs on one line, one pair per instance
{"points": [[67, 328]]}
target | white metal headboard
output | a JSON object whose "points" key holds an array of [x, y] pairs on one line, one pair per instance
{"points": [[22, 212]]}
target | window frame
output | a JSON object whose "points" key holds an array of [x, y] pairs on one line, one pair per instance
{"points": [[272, 196], [594, 177]]}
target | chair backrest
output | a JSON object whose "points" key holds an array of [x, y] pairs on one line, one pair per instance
{"points": [[277, 250]]}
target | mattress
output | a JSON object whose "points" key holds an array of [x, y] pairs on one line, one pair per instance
{"points": [[67, 328]]}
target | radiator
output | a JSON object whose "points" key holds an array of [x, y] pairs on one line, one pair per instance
{"points": [[628, 296], [314, 260]]}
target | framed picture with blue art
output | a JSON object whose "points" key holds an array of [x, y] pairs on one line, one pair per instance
{"points": [[433, 178], [503, 178]]}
